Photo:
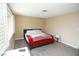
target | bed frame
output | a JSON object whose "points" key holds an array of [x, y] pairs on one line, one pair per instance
{"points": [[29, 46]]}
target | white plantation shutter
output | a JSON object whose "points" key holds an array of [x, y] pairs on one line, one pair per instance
{"points": [[4, 42]]}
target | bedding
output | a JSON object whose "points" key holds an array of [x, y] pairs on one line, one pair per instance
{"points": [[34, 41], [40, 37], [37, 37]]}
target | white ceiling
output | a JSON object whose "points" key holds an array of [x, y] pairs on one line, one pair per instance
{"points": [[35, 9]]}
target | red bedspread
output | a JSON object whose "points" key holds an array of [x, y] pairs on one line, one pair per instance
{"points": [[37, 38], [40, 39]]}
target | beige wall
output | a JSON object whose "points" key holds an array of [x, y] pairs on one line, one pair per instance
{"points": [[11, 43], [24, 22], [67, 26]]}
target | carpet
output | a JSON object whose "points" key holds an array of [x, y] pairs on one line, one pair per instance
{"points": [[54, 49]]}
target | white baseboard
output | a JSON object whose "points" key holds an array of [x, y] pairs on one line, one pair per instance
{"points": [[19, 38], [69, 45]]}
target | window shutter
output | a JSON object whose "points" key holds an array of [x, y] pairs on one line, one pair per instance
{"points": [[3, 28]]}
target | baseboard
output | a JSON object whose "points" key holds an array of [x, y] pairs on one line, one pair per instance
{"points": [[19, 38], [69, 45]]}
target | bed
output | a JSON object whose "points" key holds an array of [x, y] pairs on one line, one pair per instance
{"points": [[36, 37]]}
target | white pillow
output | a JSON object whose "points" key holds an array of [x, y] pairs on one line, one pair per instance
{"points": [[34, 32]]}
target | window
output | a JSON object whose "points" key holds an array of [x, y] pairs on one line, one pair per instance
{"points": [[3, 28], [6, 27]]}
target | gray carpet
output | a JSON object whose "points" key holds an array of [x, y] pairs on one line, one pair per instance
{"points": [[55, 49]]}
